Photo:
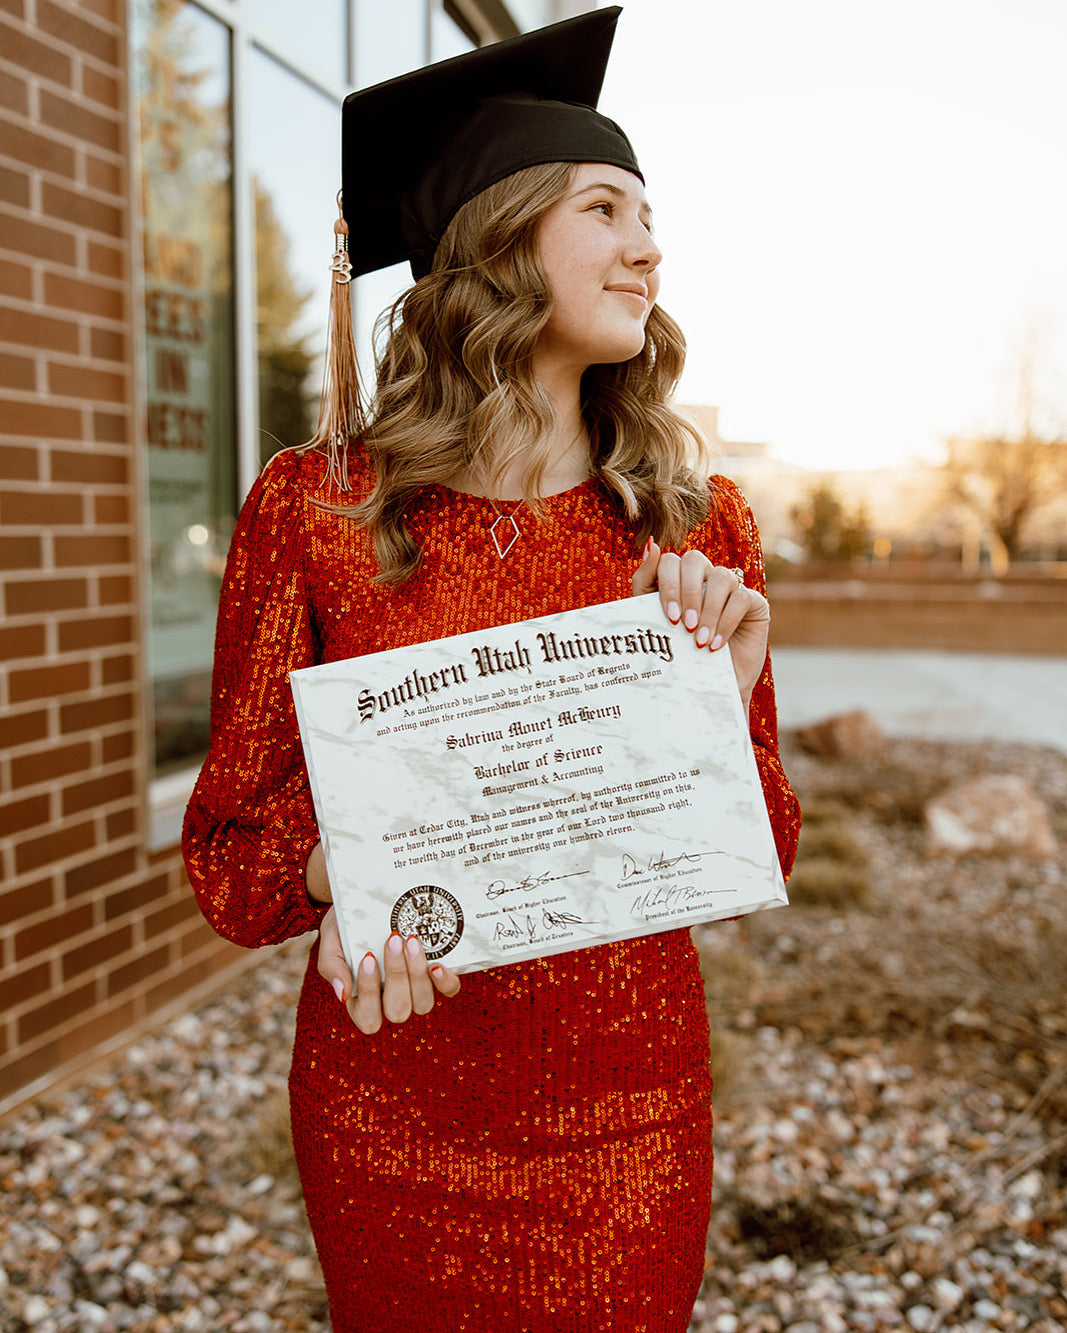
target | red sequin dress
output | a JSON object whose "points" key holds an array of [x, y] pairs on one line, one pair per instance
{"points": [[535, 1154]]}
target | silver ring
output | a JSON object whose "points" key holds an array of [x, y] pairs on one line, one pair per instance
{"points": [[739, 575]]}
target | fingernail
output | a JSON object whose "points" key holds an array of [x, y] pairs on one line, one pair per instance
{"points": [[339, 989], [691, 619], [368, 965], [395, 944], [702, 636], [648, 547], [435, 969], [674, 611], [717, 642], [413, 946]]}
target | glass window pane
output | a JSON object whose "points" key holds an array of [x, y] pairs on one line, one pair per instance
{"points": [[446, 39], [313, 34], [529, 14], [182, 91], [294, 150], [390, 39]]}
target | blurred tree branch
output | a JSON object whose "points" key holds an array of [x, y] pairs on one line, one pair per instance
{"points": [[1000, 478]]}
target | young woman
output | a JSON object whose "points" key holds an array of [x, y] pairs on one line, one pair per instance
{"points": [[530, 1150]]}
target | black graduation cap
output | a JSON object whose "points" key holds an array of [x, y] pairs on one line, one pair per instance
{"points": [[415, 149]]}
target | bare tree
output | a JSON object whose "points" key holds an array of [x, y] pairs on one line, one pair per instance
{"points": [[1001, 477]]}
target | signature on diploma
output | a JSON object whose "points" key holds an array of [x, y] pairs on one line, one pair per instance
{"points": [[533, 927], [631, 866], [500, 886]]}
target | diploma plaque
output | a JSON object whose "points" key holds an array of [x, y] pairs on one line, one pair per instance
{"points": [[535, 788]]}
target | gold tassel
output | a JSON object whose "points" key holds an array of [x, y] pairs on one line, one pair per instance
{"points": [[340, 408]]}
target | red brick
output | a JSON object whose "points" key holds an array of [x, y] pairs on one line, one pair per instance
{"points": [[47, 765], [48, 682], [90, 298], [38, 150], [96, 632], [166, 918], [24, 728], [18, 464], [86, 1037], [26, 329], [117, 670], [20, 552], [21, 641], [97, 792], [26, 1069], [41, 420], [145, 965], [25, 985], [109, 261], [21, 903], [135, 898], [107, 344], [38, 596], [84, 878], [36, 238], [16, 280], [16, 7], [53, 930], [122, 823], [90, 466], [101, 87], [107, 177], [120, 746], [116, 588], [55, 846], [93, 953], [17, 372], [103, 9], [78, 381], [41, 509], [94, 549], [19, 815], [14, 93], [58, 21], [46, 1017], [14, 184], [111, 427], [92, 714], [192, 974], [73, 118], [27, 53]]}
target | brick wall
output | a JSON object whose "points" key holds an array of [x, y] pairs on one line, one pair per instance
{"points": [[97, 935]]}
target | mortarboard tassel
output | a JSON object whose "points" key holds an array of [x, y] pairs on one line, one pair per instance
{"points": [[340, 407]]}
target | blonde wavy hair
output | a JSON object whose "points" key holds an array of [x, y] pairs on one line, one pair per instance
{"points": [[455, 389]]}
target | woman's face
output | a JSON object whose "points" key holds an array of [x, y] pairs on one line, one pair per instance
{"points": [[596, 249]]}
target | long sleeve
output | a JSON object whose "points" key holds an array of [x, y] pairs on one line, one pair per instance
{"points": [[738, 534], [250, 824]]}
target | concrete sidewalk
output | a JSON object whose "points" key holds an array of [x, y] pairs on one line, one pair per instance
{"points": [[937, 695]]}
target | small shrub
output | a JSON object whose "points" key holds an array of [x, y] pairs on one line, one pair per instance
{"points": [[729, 1060], [269, 1148]]}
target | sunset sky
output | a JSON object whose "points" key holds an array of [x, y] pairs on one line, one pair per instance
{"points": [[862, 205]]}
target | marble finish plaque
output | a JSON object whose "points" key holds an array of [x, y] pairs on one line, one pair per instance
{"points": [[535, 788]]}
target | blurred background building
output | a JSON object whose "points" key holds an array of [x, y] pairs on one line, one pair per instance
{"points": [[168, 173]]}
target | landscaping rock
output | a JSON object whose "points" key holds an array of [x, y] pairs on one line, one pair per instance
{"points": [[998, 814], [854, 736]]}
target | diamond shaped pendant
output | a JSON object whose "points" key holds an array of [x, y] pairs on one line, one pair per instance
{"points": [[504, 518]]}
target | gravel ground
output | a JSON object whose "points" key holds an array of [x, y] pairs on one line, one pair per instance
{"points": [[891, 1105]]}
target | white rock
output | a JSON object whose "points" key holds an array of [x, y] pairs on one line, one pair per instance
{"points": [[947, 1294], [35, 1309], [998, 813], [1029, 1186], [985, 1310], [726, 1323], [921, 1318]]}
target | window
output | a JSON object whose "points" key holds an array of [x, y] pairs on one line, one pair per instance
{"points": [[182, 90]]}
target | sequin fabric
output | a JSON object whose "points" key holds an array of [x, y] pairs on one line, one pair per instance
{"points": [[535, 1154]]}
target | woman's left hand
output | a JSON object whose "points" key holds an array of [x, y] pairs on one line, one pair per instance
{"points": [[713, 605]]}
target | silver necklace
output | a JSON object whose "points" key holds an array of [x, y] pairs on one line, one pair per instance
{"points": [[498, 529]]}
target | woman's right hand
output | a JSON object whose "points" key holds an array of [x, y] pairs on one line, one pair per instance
{"points": [[411, 983]]}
